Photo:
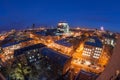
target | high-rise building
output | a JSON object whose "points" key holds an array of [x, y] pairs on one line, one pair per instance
{"points": [[62, 28]]}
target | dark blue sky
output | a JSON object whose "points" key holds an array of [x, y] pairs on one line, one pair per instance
{"points": [[91, 13]]}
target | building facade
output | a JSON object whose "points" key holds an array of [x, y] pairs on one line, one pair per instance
{"points": [[62, 28], [57, 63], [8, 49], [92, 50], [112, 70], [28, 55], [64, 46]]}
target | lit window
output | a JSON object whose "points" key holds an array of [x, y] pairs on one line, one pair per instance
{"points": [[8, 57], [12, 56], [29, 57], [96, 57], [38, 57], [88, 52], [87, 49], [32, 56], [28, 52], [38, 54], [84, 54], [89, 55], [34, 50]]}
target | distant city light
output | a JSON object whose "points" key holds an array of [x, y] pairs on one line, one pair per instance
{"points": [[78, 28], [73, 50], [102, 28]]}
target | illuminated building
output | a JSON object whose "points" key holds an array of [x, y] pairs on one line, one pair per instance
{"points": [[8, 49], [62, 28], [109, 39], [89, 54], [102, 28], [64, 46], [29, 54], [86, 60], [92, 49], [112, 69], [87, 57], [54, 64]]}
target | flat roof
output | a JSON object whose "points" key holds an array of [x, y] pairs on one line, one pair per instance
{"points": [[109, 36], [64, 42], [20, 51], [55, 56], [41, 33], [14, 43], [97, 42], [86, 75]]}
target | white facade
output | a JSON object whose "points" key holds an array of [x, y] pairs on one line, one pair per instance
{"points": [[109, 41], [92, 52], [64, 27]]}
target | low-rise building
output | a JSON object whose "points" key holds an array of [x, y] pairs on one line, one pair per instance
{"points": [[109, 39], [90, 54], [29, 54], [112, 69], [83, 75], [8, 49], [55, 63], [64, 46], [93, 49]]}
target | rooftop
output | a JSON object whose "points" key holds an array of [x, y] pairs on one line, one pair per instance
{"points": [[55, 56], [47, 32], [83, 75], [94, 41], [64, 42], [20, 51], [109, 36], [41, 33], [14, 43]]}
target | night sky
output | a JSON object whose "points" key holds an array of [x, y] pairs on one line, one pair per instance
{"points": [[20, 14]]}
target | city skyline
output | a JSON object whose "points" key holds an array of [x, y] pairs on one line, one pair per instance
{"points": [[59, 54], [91, 14]]}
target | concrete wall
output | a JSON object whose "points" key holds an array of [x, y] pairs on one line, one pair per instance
{"points": [[113, 66]]}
